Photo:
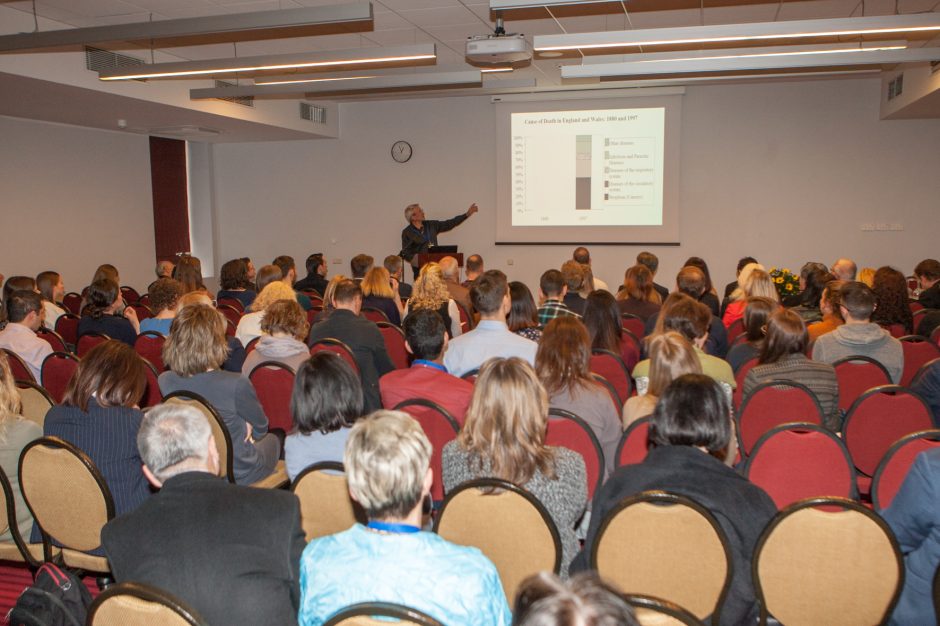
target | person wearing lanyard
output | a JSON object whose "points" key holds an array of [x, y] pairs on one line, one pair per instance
{"points": [[387, 462], [421, 234]]}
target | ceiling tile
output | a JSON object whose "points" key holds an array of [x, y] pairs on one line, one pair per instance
{"points": [[90, 8], [818, 9], [448, 16], [667, 19], [533, 27], [741, 14], [402, 37], [459, 33], [584, 24], [410, 5], [389, 21]]}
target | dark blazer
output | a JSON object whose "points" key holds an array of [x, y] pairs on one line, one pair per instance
{"points": [[414, 241], [365, 341], [930, 297], [662, 291], [742, 509], [312, 281], [114, 326], [230, 552]]}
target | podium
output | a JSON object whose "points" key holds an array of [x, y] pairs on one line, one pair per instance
{"points": [[435, 257]]}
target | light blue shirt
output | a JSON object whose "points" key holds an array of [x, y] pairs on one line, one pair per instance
{"points": [[491, 338], [301, 451], [156, 325], [455, 585]]}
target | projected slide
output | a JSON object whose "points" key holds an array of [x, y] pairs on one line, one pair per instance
{"points": [[588, 168]]}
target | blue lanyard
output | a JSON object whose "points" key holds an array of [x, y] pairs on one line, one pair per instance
{"points": [[393, 528], [432, 364]]}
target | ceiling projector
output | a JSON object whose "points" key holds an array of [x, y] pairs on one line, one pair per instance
{"points": [[497, 49]]}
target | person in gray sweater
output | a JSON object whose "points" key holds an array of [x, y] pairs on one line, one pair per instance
{"points": [[859, 336]]}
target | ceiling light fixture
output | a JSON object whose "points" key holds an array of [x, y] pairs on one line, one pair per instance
{"points": [[334, 58], [491, 70], [727, 53]]}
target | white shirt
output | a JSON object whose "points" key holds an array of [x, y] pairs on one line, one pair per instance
{"points": [[24, 342], [601, 285], [249, 327], [491, 338], [53, 313]]}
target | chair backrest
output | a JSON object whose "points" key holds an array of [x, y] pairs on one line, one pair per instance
{"points": [[315, 298], [567, 430], [610, 389], [72, 302], [274, 382], [507, 523], [364, 614], [466, 320], [814, 565], [223, 440], [394, 339], [923, 370], [742, 338], [88, 341], [231, 313], [935, 336], [917, 351], [231, 328], [337, 347], [738, 395], [18, 366], [373, 314], [771, 404], [650, 611], [149, 345], [634, 444], [630, 349], [471, 376], [235, 303], [53, 338], [251, 345], [136, 604], [8, 522], [856, 375], [613, 369], [735, 330], [880, 417], [65, 492], [895, 464], [36, 401], [668, 546], [325, 505], [143, 312], [67, 327], [152, 395], [633, 323], [440, 428], [130, 295], [57, 370], [796, 461]]}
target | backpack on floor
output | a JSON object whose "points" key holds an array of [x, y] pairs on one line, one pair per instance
{"points": [[56, 598]]}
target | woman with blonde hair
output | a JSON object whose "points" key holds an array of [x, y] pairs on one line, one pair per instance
{"points": [[430, 292], [285, 328], [504, 437], [754, 281], [671, 356], [15, 433], [194, 353], [563, 363], [378, 293], [637, 296], [249, 326]]}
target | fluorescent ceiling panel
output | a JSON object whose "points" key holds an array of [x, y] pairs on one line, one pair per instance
{"points": [[715, 53], [508, 5]]}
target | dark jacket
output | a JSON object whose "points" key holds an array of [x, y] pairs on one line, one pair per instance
{"points": [[312, 281], [715, 345], [930, 297], [742, 509], [414, 241], [114, 326], [230, 552]]}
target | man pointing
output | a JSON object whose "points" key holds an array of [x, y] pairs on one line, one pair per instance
{"points": [[420, 233]]}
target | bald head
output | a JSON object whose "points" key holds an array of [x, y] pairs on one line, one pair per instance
{"points": [[844, 269]]}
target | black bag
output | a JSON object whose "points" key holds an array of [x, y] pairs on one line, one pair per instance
{"points": [[56, 598]]}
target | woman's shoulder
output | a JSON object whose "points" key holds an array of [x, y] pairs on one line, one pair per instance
{"points": [[568, 461]]}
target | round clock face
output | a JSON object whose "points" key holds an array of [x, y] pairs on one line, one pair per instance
{"points": [[401, 151]]}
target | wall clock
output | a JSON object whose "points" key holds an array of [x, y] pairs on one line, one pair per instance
{"points": [[401, 151]]}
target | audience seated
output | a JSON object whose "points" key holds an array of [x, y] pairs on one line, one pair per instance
{"points": [[427, 377], [236, 351], [575, 276], [230, 552], [252, 273], [284, 326], [325, 403], [359, 265], [671, 356], [105, 313], [867, 275], [380, 292], [387, 461], [164, 269], [796, 299], [690, 281], [99, 415], [830, 305], [859, 336], [605, 330], [844, 269], [583, 256], [317, 270], [25, 313], [194, 353], [473, 267], [360, 335], [430, 292], [289, 277], [756, 312], [754, 283], [730, 287], [15, 433], [735, 299], [553, 289], [915, 520], [523, 318], [504, 437], [267, 275], [812, 286], [52, 290], [235, 284], [459, 293], [891, 301], [165, 295], [637, 296], [651, 262], [188, 272], [783, 357], [928, 386], [491, 337], [585, 600], [395, 266], [691, 431], [249, 326], [928, 277], [15, 283], [709, 296]]}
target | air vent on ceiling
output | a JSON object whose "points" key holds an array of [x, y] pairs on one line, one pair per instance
{"points": [[896, 86], [312, 113], [245, 101], [97, 60]]}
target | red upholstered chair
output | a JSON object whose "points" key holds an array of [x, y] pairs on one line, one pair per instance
{"points": [[67, 327], [935, 336], [917, 351], [230, 328], [374, 315], [152, 395], [149, 345], [73, 303], [736, 329], [876, 420], [738, 340], [915, 306], [57, 370], [130, 295], [856, 375], [53, 338], [738, 395], [231, 313], [611, 390], [771, 404], [394, 339], [630, 349], [18, 367], [88, 341], [312, 293], [143, 312], [274, 382], [471, 376], [795, 461], [440, 428], [567, 430], [634, 324], [466, 320], [251, 345], [337, 347], [922, 370], [634, 444], [895, 464], [235, 303], [312, 314], [315, 299], [918, 314], [614, 370], [144, 299], [897, 330]]}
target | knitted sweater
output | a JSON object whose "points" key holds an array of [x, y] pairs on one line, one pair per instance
{"points": [[865, 339], [820, 378]]}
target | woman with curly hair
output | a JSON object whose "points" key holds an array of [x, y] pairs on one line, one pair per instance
{"points": [[234, 283], [249, 326], [891, 306], [430, 292]]}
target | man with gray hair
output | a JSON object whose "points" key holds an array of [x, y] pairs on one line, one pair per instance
{"points": [[459, 293], [230, 552], [421, 234], [844, 269]]}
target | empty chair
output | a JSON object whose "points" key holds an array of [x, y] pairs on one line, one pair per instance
{"points": [[67, 327], [325, 505], [149, 345], [339, 348], [796, 461], [73, 302], [143, 312], [917, 352], [36, 401], [130, 295], [57, 371], [613, 369], [857, 374], [136, 604], [394, 339], [88, 341], [18, 366], [273, 382], [440, 428], [771, 404], [635, 443], [364, 614], [895, 464], [815, 566]]}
